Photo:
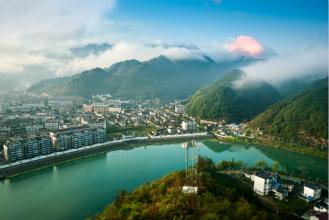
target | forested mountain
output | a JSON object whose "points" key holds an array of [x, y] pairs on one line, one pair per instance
{"points": [[301, 118], [223, 100], [159, 77]]}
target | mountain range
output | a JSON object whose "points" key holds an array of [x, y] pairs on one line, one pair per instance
{"points": [[159, 77]]}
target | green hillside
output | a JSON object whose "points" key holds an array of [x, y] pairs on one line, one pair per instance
{"points": [[301, 118], [47, 84], [219, 197], [222, 100], [159, 77]]}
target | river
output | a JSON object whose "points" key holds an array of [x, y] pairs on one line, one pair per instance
{"points": [[80, 188]]}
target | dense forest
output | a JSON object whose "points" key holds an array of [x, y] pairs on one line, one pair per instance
{"points": [[219, 197], [222, 100], [301, 118]]}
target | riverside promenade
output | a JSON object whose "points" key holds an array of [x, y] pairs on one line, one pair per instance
{"points": [[61, 156]]}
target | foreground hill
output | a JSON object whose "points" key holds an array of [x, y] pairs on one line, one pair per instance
{"points": [[160, 77], [219, 197], [301, 118], [223, 100]]}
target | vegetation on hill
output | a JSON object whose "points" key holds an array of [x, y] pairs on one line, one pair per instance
{"points": [[219, 197], [47, 84], [159, 77], [301, 118], [223, 100]]}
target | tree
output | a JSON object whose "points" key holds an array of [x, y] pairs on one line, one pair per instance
{"points": [[260, 164], [275, 166], [248, 132]]}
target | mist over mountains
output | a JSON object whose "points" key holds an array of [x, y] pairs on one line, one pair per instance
{"points": [[160, 77], [222, 100]]}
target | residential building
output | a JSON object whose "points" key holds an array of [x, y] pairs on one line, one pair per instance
{"points": [[311, 191], [45, 144], [321, 207], [189, 125], [99, 136], [13, 150], [114, 109], [280, 193], [77, 139], [179, 108], [32, 129], [31, 147], [287, 184], [61, 141], [263, 182], [64, 140], [87, 138], [52, 125], [87, 108]]}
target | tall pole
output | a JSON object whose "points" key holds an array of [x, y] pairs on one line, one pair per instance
{"points": [[186, 163]]}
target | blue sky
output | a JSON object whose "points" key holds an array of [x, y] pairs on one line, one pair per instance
{"points": [[277, 23], [39, 35]]}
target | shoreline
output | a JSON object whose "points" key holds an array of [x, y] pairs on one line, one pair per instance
{"points": [[24, 166], [258, 142]]}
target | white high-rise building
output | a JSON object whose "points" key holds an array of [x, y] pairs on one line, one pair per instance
{"points": [[179, 109]]}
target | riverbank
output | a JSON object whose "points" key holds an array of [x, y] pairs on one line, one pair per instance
{"points": [[23, 166], [218, 197], [311, 151]]}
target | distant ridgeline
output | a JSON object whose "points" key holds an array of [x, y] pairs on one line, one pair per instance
{"points": [[225, 101], [301, 118], [160, 77]]}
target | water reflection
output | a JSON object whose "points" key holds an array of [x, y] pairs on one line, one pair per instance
{"points": [[293, 163]]}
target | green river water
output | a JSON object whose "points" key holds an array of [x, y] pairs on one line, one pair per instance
{"points": [[80, 188]]}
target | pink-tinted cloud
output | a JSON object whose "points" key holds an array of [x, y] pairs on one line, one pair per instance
{"points": [[246, 45]]}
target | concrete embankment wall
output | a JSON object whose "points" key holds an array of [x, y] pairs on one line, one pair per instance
{"points": [[108, 146]]}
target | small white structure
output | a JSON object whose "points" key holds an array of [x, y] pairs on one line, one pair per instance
{"points": [[320, 207], [311, 191], [262, 184], [280, 193], [190, 189]]}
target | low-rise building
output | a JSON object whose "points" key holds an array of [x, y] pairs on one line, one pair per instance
{"points": [[280, 193], [288, 185], [32, 129], [321, 207], [52, 125], [189, 125], [311, 192]]}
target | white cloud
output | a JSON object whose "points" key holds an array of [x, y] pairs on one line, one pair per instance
{"points": [[293, 65], [38, 25], [124, 51]]}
